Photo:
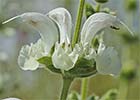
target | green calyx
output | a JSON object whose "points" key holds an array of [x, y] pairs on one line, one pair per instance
{"points": [[101, 1], [82, 68]]}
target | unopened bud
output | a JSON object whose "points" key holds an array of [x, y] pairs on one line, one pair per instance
{"points": [[73, 96], [93, 97], [128, 72], [101, 1], [110, 95], [131, 5], [89, 10]]}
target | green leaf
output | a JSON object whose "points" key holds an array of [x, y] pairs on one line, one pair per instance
{"points": [[47, 61]]}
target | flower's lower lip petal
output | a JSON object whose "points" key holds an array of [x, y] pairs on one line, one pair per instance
{"points": [[61, 59], [30, 64], [28, 56], [108, 61]]}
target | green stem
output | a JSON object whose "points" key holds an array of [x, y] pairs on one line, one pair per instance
{"points": [[66, 85], [123, 91], [78, 22], [84, 88], [98, 7]]}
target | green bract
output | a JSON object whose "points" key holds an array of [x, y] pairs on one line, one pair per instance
{"points": [[54, 49]]}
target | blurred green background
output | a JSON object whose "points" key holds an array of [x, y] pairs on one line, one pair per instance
{"points": [[44, 85]]}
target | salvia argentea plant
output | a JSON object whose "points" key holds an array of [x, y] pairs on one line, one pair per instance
{"points": [[69, 56]]}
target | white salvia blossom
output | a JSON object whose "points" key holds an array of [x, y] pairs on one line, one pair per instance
{"points": [[11, 99], [55, 29]]}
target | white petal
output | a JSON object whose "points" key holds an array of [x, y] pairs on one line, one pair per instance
{"points": [[108, 61], [44, 25], [11, 99], [28, 56], [101, 47], [91, 54], [64, 21], [95, 24], [62, 60]]}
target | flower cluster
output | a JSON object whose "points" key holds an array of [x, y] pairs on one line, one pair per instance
{"points": [[55, 29]]}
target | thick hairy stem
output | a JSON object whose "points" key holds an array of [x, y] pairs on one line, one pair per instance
{"points": [[66, 85]]}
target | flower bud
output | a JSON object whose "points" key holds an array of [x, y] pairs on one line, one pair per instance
{"points": [[89, 10], [93, 97], [73, 96], [106, 10], [128, 72], [101, 1], [110, 95], [131, 5]]}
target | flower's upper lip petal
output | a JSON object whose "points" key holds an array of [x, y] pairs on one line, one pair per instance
{"points": [[123, 24], [94, 24], [44, 25], [64, 21]]}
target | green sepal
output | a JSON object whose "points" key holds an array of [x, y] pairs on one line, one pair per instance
{"points": [[83, 68], [47, 61]]}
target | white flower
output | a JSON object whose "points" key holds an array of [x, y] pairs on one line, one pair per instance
{"points": [[11, 99], [55, 29]]}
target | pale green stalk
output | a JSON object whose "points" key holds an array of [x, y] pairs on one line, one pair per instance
{"points": [[123, 91], [84, 88], [78, 22], [66, 80]]}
